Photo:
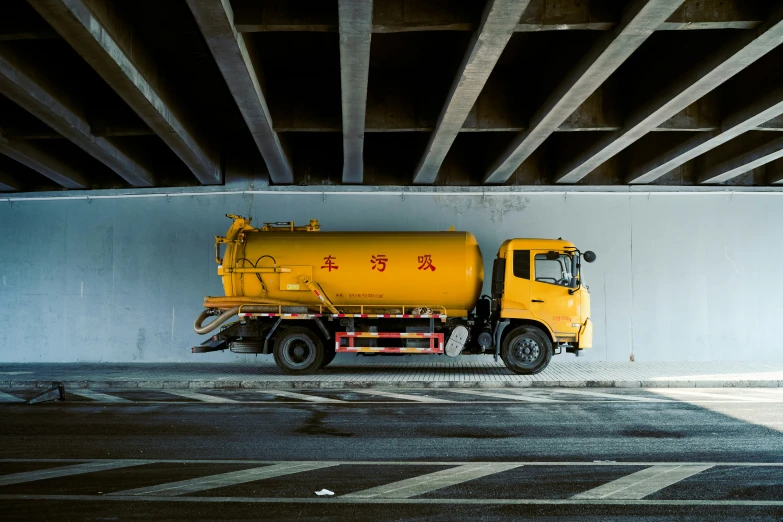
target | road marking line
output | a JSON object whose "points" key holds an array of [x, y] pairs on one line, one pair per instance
{"points": [[772, 393], [392, 395], [65, 471], [344, 500], [233, 478], [198, 396], [508, 396], [414, 462], [7, 397], [725, 396], [638, 485], [603, 395], [97, 396], [301, 396], [432, 481]]}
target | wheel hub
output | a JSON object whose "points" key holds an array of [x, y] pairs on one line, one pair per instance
{"points": [[298, 352], [526, 350]]}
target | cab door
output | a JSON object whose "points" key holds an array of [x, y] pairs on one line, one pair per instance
{"points": [[516, 291], [550, 300]]}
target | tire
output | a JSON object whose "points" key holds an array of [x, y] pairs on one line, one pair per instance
{"points": [[298, 351], [329, 354], [526, 350]]}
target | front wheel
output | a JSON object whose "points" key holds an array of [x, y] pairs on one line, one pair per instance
{"points": [[526, 350], [298, 351]]}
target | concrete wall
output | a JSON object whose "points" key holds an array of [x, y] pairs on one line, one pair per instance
{"points": [[678, 276]]}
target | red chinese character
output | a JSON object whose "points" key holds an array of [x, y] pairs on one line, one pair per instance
{"points": [[379, 262], [426, 262], [329, 263]]}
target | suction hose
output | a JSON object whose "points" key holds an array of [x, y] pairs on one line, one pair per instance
{"points": [[222, 318], [261, 305]]}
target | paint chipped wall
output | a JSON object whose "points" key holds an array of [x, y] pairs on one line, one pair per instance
{"points": [[678, 277]]}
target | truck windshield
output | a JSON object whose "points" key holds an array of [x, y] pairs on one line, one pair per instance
{"points": [[553, 271]]}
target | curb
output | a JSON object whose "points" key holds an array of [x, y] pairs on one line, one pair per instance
{"points": [[339, 384]]}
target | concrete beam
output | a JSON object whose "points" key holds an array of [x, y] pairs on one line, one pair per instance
{"points": [[743, 163], [43, 34], [702, 25], [702, 79], [8, 183], [28, 131], [748, 119], [639, 22], [41, 161], [714, 14], [42, 102], [703, 116], [121, 60], [355, 18], [215, 18], [775, 124], [497, 25], [774, 172], [398, 16]]}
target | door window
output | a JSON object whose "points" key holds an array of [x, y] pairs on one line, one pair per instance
{"points": [[522, 264], [553, 271]]}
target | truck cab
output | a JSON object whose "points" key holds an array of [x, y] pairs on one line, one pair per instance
{"points": [[539, 302]]}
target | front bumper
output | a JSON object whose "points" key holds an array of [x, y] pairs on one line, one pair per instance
{"points": [[586, 335]]}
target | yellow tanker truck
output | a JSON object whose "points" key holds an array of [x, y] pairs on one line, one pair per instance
{"points": [[306, 295]]}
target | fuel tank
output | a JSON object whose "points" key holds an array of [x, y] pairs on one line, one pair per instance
{"points": [[381, 269]]}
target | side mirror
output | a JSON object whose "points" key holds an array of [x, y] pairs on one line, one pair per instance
{"points": [[589, 256]]}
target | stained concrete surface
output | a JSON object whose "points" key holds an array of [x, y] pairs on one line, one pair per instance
{"points": [[679, 276], [563, 449]]}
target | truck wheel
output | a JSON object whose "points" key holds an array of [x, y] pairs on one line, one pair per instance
{"points": [[329, 355], [526, 350], [298, 350]]}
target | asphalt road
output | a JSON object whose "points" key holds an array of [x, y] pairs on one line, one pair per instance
{"points": [[396, 455]]}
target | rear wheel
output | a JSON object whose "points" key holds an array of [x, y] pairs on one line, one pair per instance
{"points": [[526, 350], [329, 354], [298, 350]]}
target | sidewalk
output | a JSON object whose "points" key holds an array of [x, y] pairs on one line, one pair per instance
{"points": [[376, 373]]}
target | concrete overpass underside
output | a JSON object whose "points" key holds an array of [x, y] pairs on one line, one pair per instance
{"points": [[98, 94]]}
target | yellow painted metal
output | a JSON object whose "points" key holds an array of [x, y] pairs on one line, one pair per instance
{"points": [[564, 314], [586, 335], [442, 270]]}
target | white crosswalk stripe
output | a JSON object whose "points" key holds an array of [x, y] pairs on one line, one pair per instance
{"points": [[184, 487], [405, 396], [613, 396], [431, 481], [188, 394], [300, 396], [65, 471], [508, 396], [642, 483], [719, 395], [97, 396]]}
